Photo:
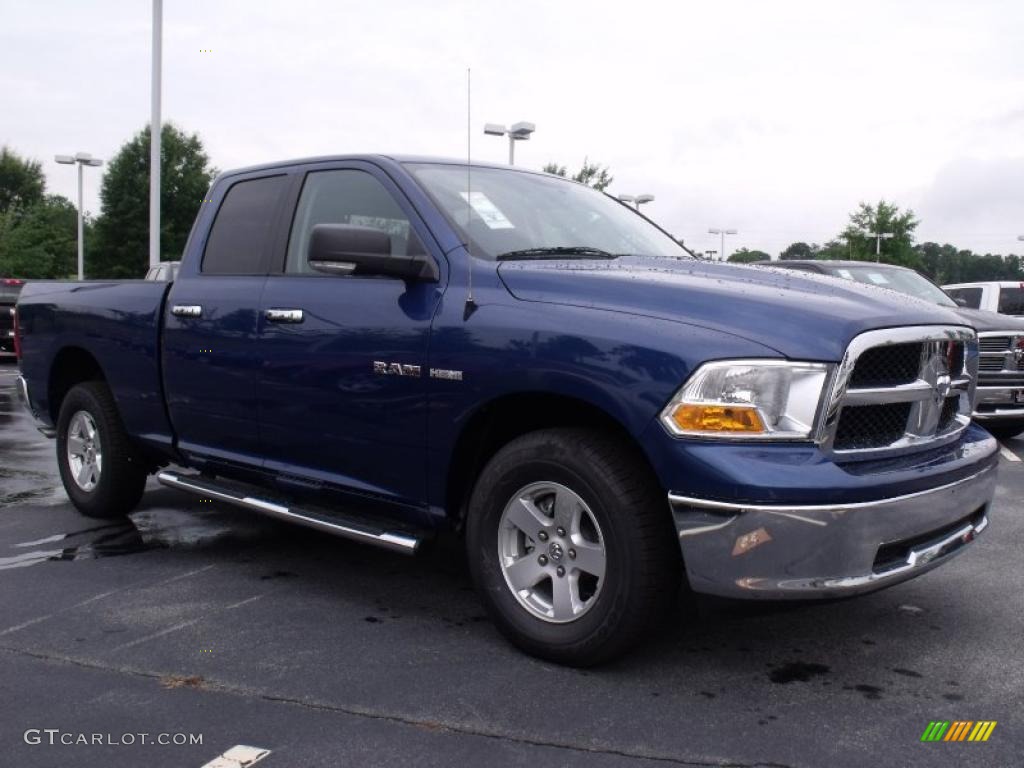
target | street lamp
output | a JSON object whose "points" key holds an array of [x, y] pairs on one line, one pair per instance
{"points": [[636, 200], [723, 233], [879, 237], [518, 132], [80, 159], [155, 131]]}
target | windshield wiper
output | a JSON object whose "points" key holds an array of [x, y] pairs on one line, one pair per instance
{"points": [[557, 253]]}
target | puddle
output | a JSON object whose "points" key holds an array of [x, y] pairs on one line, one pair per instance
{"points": [[144, 531], [109, 541]]}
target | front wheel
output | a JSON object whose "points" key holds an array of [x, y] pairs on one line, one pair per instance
{"points": [[102, 473], [571, 545]]}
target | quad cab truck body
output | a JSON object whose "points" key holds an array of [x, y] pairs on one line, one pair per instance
{"points": [[385, 348]]}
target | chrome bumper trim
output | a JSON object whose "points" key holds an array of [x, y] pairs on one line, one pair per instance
{"points": [[800, 551], [691, 501], [22, 386]]}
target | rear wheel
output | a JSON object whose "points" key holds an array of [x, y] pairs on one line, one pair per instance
{"points": [[571, 545], [102, 472]]}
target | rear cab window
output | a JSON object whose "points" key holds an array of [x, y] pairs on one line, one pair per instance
{"points": [[240, 239], [1011, 301], [966, 297]]}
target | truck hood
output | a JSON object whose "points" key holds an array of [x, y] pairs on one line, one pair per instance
{"points": [[799, 314], [982, 320]]}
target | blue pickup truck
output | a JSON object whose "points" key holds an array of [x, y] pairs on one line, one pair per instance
{"points": [[385, 348]]}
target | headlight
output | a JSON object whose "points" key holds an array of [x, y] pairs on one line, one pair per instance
{"points": [[774, 399]]}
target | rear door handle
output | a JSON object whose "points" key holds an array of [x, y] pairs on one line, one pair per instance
{"points": [[187, 310], [284, 315]]}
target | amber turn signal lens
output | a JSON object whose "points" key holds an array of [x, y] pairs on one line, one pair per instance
{"points": [[717, 418]]}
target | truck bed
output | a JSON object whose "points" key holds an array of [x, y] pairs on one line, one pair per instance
{"points": [[118, 323]]}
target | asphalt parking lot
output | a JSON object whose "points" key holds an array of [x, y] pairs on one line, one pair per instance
{"points": [[200, 619]]}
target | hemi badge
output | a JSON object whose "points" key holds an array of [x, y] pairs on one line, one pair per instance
{"points": [[442, 373]]}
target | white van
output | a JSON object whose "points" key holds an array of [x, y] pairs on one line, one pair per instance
{"points": [[1005, 296]]}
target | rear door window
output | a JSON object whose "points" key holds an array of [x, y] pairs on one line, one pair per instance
{"points": [[239, 241]]}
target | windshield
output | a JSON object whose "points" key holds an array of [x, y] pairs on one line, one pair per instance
{"points": [[512, 214], [903, 280]]}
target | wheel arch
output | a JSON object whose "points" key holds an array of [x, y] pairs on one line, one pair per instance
{"points": [[71, 365], [499, 421]]}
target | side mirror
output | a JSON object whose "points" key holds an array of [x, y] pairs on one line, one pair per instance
{"points": [[342, 249], [960, 302]]}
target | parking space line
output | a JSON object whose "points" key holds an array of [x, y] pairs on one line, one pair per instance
{"points": [[1007, 453], [240, 756], [184, 624], [94, 598]]}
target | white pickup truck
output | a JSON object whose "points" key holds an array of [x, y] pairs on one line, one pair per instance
{"points": [[1003, 296]]}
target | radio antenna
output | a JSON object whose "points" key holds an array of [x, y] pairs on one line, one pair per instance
{"points": [[470, 302]]}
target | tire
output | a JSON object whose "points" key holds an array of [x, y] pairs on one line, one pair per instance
{"points": [[1005, 431], [620, 509], [107, 487]]}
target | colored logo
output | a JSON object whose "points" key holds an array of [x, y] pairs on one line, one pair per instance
{"points": [[958, 730]]}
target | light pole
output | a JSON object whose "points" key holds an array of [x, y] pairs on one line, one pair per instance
{"points": [[518, 132], [636, 200], [80, 159], [155, 136], [723, 233], [879, 237]]}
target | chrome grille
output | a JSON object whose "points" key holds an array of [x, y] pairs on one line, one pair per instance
{"points": [[869, 426], [1002, 358], [887, 366], [900, 388], [993, 342]]}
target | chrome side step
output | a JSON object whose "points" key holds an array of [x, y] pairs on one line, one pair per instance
{"points": [[396, 542]]}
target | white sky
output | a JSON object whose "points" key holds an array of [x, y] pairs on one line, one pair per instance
{"points": [[775, 118]]}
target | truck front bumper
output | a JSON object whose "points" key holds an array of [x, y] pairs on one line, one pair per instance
{"points": [[998, 404], [794, 551]]}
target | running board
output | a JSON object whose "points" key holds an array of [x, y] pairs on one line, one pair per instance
{"points": [[396, 542]]}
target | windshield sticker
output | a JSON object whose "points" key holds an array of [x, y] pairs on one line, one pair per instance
{"points": [[845, 274], [877, 278], [488, 211]]}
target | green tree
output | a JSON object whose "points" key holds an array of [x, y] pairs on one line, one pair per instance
{"points": [[797, 250], [121, 244], [40, 242], [887, 218], [21, 181], [745, 256], [591, 174]]}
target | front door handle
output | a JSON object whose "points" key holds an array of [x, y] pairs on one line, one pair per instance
{"points": [[187, 310], [284, 315]]}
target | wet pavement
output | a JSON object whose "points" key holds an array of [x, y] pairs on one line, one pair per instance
{"points": [[197, 618]]}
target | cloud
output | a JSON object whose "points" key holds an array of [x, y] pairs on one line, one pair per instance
{"points": [[774, 118]]}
